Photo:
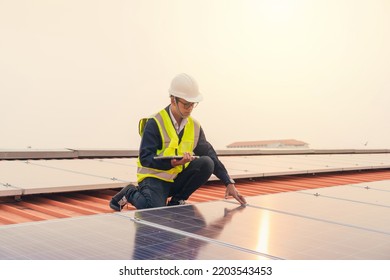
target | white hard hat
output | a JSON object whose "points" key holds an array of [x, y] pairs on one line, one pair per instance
{"points": [[184, 86]]}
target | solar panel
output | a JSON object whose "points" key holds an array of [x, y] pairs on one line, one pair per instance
{"points": [[295, 225], [41, 176], [383, 185], [337, 223], [368, 195], [9, 190], [297, 164], [106, 236]]}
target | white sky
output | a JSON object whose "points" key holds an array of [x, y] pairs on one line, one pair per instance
{"points": [[80, 73]]}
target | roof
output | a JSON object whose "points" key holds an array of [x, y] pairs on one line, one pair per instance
{"points": [[283, 193], [53, 175], [68, 187], [40, 207]]}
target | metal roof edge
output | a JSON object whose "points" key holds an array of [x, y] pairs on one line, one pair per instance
{"points": [[96, 153], [66, 154], [37, 154], [61, 189], [239, 152], [106, 153]]}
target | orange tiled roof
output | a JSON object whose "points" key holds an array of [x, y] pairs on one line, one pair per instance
{"points": [[71, 204]]}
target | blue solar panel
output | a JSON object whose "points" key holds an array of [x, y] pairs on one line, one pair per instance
{"points": [[347, 222], [296, 225], [105, 237]]}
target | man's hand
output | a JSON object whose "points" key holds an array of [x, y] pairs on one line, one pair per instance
{"points": [[232, 191], [187, 157]]}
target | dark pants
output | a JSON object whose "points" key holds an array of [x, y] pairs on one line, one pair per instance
{"points": [[153, 192]]}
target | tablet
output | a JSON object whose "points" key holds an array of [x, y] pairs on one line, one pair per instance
{"points": [[171, 157]]}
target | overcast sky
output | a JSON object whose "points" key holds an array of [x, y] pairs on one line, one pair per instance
{"points": [[81, 73]]}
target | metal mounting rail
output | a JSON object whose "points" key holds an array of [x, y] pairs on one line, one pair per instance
{"points": [[121, 153]]}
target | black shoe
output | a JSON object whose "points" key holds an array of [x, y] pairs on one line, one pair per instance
{"points": [[119, 200], [174, 202], [115, 205]]}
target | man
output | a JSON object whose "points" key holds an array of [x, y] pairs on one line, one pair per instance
{"points": [[173, 132]]}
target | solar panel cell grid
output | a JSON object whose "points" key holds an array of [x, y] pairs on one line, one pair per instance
{"points": [[342, 222]]}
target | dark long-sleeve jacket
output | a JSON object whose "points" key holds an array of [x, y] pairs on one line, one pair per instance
{"points": [[151, 142]]}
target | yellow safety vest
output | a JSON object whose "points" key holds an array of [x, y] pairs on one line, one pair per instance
{"points": [[170, 145]]}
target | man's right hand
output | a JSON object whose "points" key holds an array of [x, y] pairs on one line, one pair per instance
{"points": [[187, 157]]}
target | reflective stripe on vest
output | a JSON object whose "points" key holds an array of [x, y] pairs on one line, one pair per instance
{"points": [[171, 146]]}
